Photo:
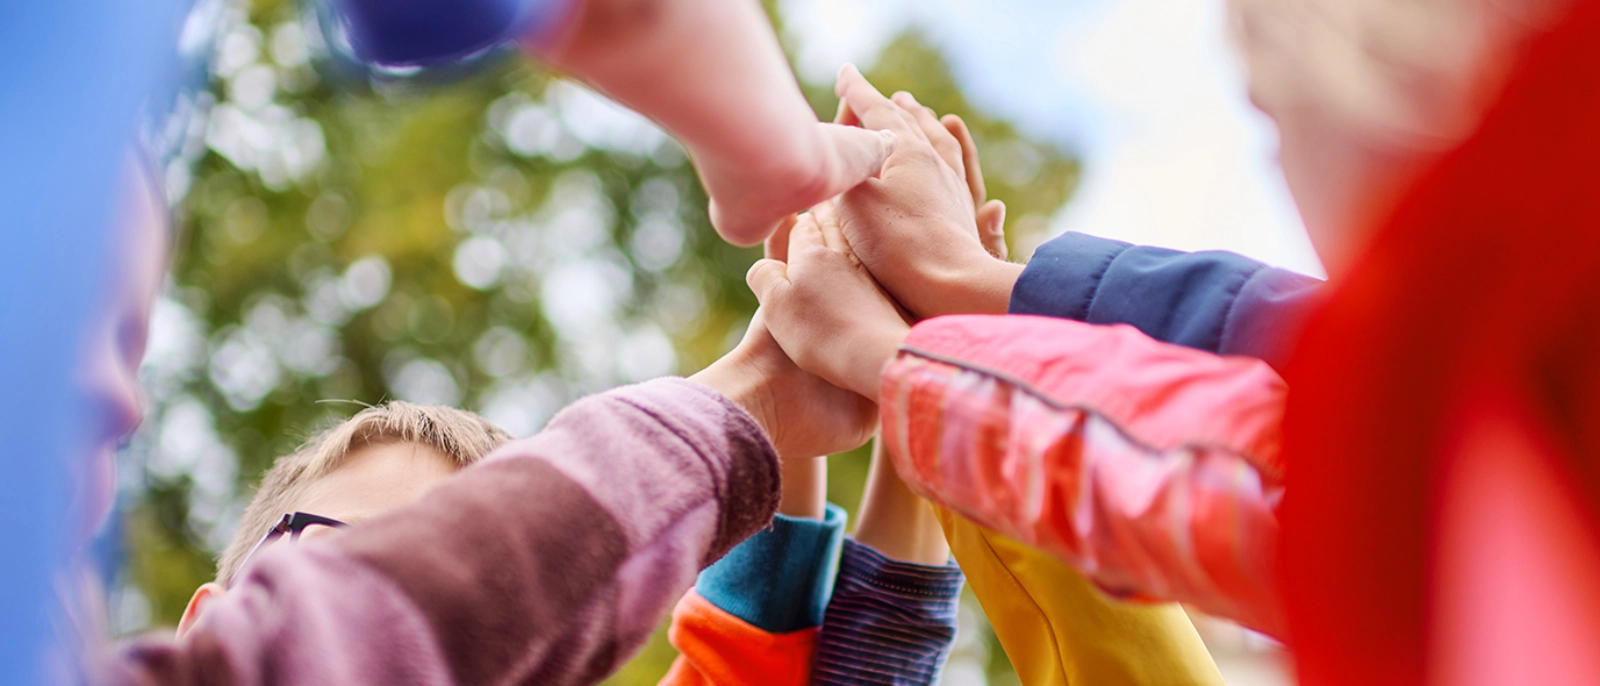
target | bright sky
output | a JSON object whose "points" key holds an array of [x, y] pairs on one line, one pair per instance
{"points": [[1149, 92]]}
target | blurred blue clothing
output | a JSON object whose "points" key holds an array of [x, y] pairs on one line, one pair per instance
{"points": [[427, 33], [1217, 301], [74, 74]]}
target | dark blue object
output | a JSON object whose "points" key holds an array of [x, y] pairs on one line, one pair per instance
{"points": [[1217, 301], [424, 33]]}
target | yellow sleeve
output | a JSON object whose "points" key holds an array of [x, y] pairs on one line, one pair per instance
{"points": [[1059, 630]]}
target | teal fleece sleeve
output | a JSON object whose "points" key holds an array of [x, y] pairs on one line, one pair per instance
{"points": [[780, 579]]}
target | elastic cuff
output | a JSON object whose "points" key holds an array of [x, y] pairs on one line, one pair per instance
{"points": [[861, 563], [780, 579], [1064, 275], [890, 622]]}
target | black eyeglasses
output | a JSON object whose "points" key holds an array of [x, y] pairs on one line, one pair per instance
{"points": [[292, 525]]}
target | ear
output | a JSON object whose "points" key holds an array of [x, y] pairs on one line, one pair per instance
{"points": [[203, 596]]}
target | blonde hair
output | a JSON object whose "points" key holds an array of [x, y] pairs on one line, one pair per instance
{"points": [[462, 436]]}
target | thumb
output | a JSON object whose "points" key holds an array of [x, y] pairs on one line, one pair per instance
{"points": [[857, 155], [992, 227], [767, 278]]}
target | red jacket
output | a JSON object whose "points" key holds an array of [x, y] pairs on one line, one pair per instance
{"points": [[1442, 520], [1151, 467]]}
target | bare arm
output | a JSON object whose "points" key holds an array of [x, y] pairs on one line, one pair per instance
{"points": [[895, 521], [712, 72]]}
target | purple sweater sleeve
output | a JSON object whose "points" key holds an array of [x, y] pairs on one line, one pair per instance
{"points": [[548, 563]]}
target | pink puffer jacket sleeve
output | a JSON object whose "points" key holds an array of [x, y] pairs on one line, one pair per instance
{"points": [[1150, 467]]}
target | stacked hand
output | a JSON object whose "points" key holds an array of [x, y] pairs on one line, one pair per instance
{"points": [[902, 247], [915, 226], [841, 285], [824, 307]]}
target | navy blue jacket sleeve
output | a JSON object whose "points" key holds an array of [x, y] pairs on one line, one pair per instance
{"points": [[1217, 301]]}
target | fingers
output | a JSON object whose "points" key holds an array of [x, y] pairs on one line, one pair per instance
{"points": [[946, 145], [858, 155], [969, 156], [827, 218], [776, 247], [992, 228], [870, 107], [805, 234], [844, 116], [766, 278]]}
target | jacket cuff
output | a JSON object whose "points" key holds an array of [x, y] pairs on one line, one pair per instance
{"points": [[1064, 275], [889, 621], [780, 579]]}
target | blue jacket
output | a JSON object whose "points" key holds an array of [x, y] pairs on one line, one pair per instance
{"points": [[1217, 301]]}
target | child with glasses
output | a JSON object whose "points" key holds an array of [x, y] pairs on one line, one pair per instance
{"points": [[759, 608]]}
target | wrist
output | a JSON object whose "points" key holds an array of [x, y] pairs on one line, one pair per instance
{"points": [[982, 287], [875, 353], [732, 376]]}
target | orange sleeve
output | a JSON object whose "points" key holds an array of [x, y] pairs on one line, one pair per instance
{"points": [[718, 648]]}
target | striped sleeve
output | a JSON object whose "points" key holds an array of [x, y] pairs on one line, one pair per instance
{"points": [[1149, 467], [890, 622]]}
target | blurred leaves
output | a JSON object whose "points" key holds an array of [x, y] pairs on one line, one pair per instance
{"points": [[505, 242]]}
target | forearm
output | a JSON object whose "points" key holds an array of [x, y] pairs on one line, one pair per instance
{"points": [[889, 622], [753, 616], [1215, 301], [805, 488], [512, 571], [710, 71], [896, 522], [1148, 466]]}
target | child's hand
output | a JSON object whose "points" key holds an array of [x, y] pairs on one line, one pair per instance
{"points": [[914, 226], [824, 308], [805, 416]]}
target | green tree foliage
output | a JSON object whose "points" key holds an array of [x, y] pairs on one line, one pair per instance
{"points": [[506, 242]]}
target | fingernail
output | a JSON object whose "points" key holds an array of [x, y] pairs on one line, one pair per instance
{"points": [[888, 138]]}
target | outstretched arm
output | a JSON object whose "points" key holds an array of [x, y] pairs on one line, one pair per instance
{"points": [[550, 562], [712, 73]]}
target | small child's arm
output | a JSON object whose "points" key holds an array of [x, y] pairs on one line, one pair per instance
{"points": [[753, 617], [892, 618]]}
